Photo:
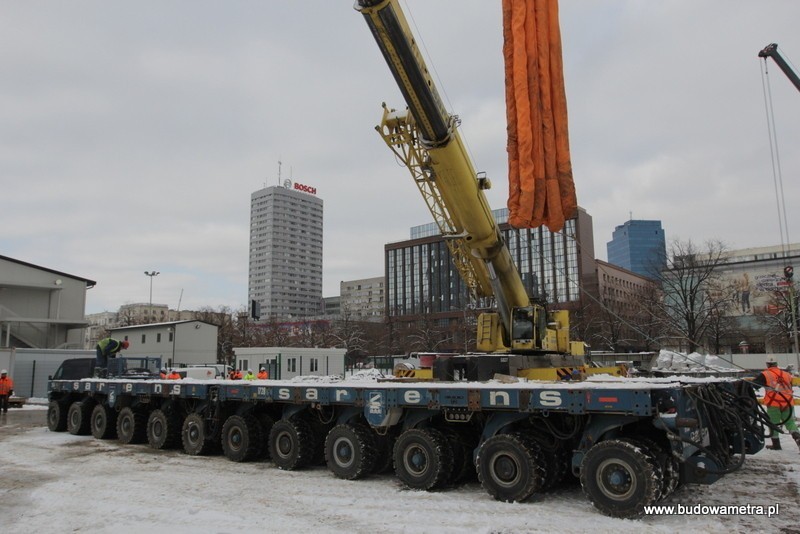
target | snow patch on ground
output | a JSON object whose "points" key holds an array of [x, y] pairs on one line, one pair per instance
{"points": [[65, 483]]}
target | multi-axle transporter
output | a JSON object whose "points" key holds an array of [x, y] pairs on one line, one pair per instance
{"points": [[630, 442]]}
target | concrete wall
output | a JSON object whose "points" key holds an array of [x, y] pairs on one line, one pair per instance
{"points": [[287, 362], [30, 368]]}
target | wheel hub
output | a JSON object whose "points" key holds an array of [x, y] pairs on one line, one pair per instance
{"points": [[505, 469], [284, 444], [416, 460], [343, 452], [615, 479]]}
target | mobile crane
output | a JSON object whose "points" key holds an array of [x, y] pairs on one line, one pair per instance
{"points": [[630, 443], [426, 138], [771, 50]]}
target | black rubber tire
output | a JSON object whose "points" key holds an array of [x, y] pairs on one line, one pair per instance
{"points": [[669, 466], [163, 429], [555, 467], [318, 432], [511, 467], [423, 458], [350, 451], [564, 459], [384, 448], [56, 416], [241, 438], [463, 466], [291, 444], [131, 426], [194, 436], [79, 418], [103, 422], [620, 478], [265, 422]]}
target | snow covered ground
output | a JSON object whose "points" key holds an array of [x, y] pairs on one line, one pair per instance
{"points": [[56, 482]]}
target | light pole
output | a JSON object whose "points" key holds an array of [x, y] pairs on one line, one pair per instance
{"points": [[151, 274]]}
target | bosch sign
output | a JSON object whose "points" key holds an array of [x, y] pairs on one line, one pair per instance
{"points": [[305, 188]]}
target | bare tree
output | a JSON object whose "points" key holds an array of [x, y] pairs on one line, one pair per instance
{"points": [[349, 335], [613, 332], [692, 289], [777, 318], [648, 319], [427, 336]]}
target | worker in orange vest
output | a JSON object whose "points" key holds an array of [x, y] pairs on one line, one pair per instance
{"points": [[6, 390], [262, 374], [237, 374], [173, 375], [162, 374], [778, 400]]}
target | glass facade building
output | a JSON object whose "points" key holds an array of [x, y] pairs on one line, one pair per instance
{"points": [[421, 278], [285, 272], [638, 246]]}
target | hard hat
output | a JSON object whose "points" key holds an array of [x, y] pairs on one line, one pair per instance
{"points": [[3, 372], [125, 344], [771, 362], [249, 370]]}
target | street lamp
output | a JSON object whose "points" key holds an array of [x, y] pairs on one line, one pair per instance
{"points": [[151, 274]]}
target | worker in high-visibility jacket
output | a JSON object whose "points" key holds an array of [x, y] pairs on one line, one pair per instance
{"points": [[778, 400], [6, 390], [262, 374], [173, 375], [249, 375], [107, 348]]}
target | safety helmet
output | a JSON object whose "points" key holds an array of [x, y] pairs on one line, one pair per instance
{"points": [[125, 344], [3, 372], [249, 370], [771, 362]]}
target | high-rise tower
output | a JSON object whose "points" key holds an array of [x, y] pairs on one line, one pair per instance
{"points": [[639, 246], [285, 274]]}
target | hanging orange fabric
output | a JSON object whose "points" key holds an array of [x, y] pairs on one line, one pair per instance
{"points": [[541, 190]]}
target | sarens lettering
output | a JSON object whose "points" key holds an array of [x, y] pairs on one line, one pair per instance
{"points": [[305, 188]]}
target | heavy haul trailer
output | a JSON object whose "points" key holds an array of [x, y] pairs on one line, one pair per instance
{"points": [[630, 442]]}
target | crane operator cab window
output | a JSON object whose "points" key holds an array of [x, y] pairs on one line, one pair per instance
{"points": [[522, 324]]}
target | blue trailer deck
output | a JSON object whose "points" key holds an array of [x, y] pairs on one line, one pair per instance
{"points": [[520, 438]]}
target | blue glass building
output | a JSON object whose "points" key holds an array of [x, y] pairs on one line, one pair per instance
{"points": [[638, 246]]}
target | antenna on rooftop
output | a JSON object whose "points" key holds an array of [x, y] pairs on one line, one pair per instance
{"points": [[279, 172]]}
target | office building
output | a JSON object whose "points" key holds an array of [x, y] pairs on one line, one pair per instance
{"points": [[285, 274], [363, 300], [421, 279], [638, 246]]}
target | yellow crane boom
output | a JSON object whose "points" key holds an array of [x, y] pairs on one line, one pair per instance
{"points": [[426, 138]]}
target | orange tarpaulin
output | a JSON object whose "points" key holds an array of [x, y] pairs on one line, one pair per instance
{"points": [[541, 190]]}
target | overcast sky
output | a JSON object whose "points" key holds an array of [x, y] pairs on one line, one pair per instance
{"points": [[133, 133]]}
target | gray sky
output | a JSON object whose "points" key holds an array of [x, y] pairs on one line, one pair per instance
{"points": [[132, 134]]}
